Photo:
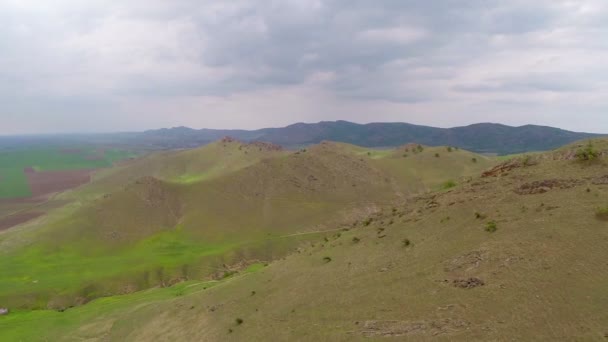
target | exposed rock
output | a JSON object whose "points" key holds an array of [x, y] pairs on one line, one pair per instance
{"points": [[603, 180], [265, 146], [540, 187], [3, 311], [502, 168], [468, 283], [405, 328], [226, 140]]}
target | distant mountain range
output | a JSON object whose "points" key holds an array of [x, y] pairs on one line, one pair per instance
{"points": [[482, 137]]}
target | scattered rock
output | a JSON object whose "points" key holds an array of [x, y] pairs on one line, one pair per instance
{"points": [[404, 328], [468, 283], [603, 180], [465, 262], [540, 187], [501, 168]]}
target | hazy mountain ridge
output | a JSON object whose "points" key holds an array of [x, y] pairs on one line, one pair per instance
{"points": [[482, 137]]}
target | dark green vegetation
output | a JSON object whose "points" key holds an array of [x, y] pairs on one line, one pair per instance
{"points": [[353, 241]]}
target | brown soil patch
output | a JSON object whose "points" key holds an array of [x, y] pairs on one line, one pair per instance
{"points": [[17, 219], [540, 187], [45, 183]]}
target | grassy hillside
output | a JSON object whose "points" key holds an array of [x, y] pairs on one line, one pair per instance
{"points": [[249, 202], [519, 253]]}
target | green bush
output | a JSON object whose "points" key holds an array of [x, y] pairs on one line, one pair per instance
{"points": [[436, 155], [238, 321], [480, 216], [588, 153], [491, 227], [449, 149], [602, 213], [356, 240], [448, 184], [327, 259], [474, 160], [406, 242]]}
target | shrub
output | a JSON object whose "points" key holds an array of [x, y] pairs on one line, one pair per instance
{"points": [[405, 155], [474, 160], [480, 216], [419, 148], [368, 221], [327, 259], [588, 153], [356, 240], [449, 149], [449, 184], [436, 155], [491, 227], [406, 242], [602, 213], [239, 321]]}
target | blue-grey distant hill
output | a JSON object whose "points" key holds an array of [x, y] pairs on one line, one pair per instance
{"points": [[482, 137]]}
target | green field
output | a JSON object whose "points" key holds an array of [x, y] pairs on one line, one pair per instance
{"points": [[13, 182]]}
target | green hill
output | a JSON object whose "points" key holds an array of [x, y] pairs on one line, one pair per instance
{"points": [[172, 217]]}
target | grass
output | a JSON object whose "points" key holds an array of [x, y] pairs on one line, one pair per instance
{"points": [[448, 184], [53, 325], [71, 269], [13, 183]]}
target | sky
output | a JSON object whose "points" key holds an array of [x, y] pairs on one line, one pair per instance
{"points": [[130, 65]]}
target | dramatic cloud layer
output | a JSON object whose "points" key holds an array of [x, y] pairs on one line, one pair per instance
{"points": [[107, 65]]}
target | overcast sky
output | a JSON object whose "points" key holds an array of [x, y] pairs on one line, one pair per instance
{"points": [[105, 65]]}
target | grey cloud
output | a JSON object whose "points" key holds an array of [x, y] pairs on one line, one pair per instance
{"points": [[428, 56]]}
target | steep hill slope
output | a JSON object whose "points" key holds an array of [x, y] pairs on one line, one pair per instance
{"points": [[519, 253], [252, 202]]}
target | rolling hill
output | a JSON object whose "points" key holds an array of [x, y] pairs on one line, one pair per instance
{"points": [[190, 215], [518, 252]]}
